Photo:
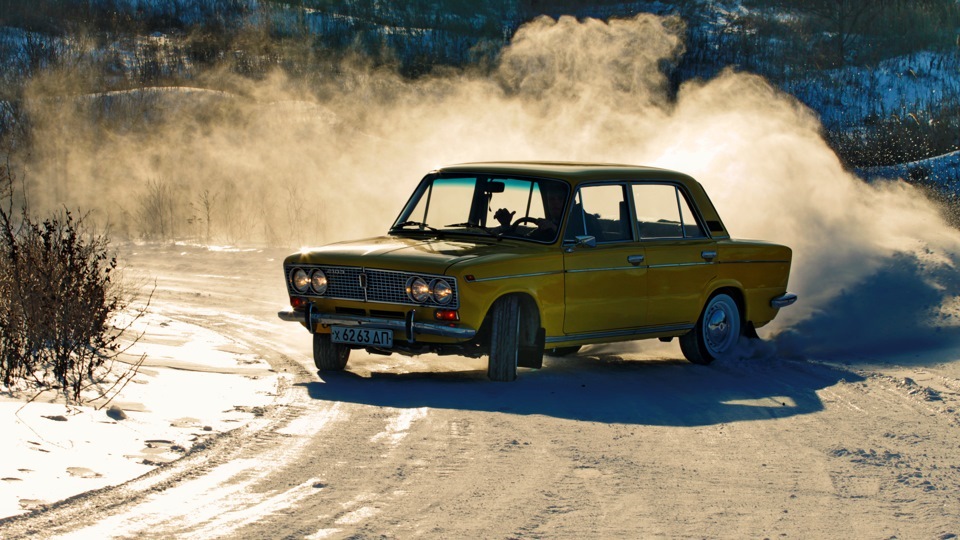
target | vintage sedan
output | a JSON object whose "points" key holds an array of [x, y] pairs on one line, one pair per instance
{"points": [[517, 259]]}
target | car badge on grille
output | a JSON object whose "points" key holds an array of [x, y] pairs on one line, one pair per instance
{"points": [[363, 280]]}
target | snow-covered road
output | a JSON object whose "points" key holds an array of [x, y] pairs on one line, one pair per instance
{"points": [[617, 442]]}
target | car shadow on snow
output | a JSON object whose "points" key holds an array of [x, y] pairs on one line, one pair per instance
{"points": [[605, 388]]}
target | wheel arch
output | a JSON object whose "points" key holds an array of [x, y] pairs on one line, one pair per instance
{"points": [[529, 311], [702, 345], [733, 290], [748, 327], [512, 336]]}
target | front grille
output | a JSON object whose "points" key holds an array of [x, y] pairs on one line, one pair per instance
{"points": [[371, 285], [342, 282], [390, 287]]}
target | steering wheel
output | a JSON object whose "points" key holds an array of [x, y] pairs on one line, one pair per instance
{"points": [[519, 221]]}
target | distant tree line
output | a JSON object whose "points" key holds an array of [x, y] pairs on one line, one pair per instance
{"points": [[127, 44], [864, 31], [422, 33], [60, 16]]}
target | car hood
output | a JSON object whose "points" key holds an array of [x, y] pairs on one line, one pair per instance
{"points": [[410, 254]]}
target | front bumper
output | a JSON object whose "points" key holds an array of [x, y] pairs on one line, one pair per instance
{"points": [[409, 326]]}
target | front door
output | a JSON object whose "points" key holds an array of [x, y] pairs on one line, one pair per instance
{"points": [[605, 281]]}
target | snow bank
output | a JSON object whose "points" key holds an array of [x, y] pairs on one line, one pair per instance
{"points": [[194, 383]]}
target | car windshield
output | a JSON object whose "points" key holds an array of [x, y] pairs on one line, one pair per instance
{"points": [[502, 207]]}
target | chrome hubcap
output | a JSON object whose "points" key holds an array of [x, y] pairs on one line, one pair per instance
{"points": [[719, 328]]}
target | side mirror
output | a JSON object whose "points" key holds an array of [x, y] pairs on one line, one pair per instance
{"points": [[588, 241]]}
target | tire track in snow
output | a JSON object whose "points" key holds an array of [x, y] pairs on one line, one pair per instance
{"points": [[399, 426], [908, 432], [224, 497]]}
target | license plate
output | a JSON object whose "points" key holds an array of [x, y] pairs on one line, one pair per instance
{"points": [[358, 335]]}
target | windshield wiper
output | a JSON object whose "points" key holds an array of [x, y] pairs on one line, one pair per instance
{"points": [[414, 223], [473, 227]]}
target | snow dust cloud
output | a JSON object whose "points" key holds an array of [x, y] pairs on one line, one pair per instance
{"points": [[296, 163]]}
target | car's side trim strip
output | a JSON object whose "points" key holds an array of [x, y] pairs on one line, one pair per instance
{"points": [[511, 276], [621, 333], [607, 269], [637, 267], [678, 265], [614, 268], [751, 262]]}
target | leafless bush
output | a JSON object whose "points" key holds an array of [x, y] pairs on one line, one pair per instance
{"points": [[234, 208], [157, 215], [59, 292], [202, 214]]}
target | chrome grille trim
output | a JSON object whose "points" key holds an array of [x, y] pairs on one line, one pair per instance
{"points": [[371, 285]]}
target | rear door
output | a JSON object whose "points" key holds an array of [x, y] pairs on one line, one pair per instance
{"points": [[680, 257]]}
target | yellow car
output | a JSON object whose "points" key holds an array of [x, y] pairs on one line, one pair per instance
{"points": [[517, 259]]}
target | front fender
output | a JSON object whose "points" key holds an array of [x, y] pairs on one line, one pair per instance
{"points": [[545, 289]]}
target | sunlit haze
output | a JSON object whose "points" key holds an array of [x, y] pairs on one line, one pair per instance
{"points": [[282, 165]]}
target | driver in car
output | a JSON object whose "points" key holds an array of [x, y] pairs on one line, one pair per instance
{"points": [[546, 227]]}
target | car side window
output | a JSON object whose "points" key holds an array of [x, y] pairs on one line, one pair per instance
{"points": [[663, 212], [602, 212]]}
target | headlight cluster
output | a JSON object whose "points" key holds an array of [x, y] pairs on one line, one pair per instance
{"points": [[422, 292], [303, 282]]}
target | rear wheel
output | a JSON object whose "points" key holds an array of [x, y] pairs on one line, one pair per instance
{"points": [[327, 355], [717, 331], [504, 339]]}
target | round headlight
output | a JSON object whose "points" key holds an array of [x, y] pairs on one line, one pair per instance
{"points": [[442, 291], [300, 280], [318, 281], [418, 290]]}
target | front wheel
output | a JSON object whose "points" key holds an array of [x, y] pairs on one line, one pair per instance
{"points": [[327, 355], [717, 331], [504, 340]]}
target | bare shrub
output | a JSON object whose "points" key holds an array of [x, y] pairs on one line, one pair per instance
{"points": [[157, 213], [202, 217], [59, 293], [235, 226]]}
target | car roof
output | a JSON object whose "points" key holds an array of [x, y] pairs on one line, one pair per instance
{"points": [[573, 172], [580, 173]]}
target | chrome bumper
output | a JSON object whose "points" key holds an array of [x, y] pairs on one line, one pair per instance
{"points": [[407, 325], [783, 300]]}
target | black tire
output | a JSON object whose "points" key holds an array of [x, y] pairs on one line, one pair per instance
{"points": [[504, 340], [327, 355], [563, 351], [717, 331]]}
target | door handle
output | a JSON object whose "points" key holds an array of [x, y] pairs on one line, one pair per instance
{"points": [[635, 260], [708, 255]]}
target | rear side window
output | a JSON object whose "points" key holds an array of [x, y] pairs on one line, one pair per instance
{"points": [[601, 212], [663, 212]]}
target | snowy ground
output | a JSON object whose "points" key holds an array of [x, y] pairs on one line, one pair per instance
{"points": [[626, 441], [193, 384]]}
